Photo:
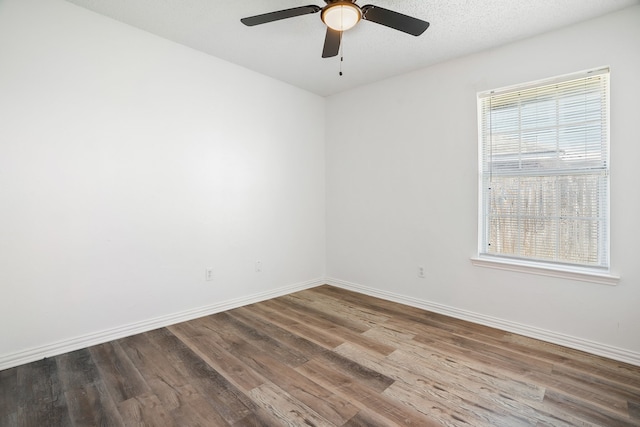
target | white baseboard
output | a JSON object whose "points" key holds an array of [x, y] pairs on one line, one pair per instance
{"points": [[599, 349], [36, 353]]}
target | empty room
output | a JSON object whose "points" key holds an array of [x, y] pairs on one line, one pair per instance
{"points": [[265, 213]]}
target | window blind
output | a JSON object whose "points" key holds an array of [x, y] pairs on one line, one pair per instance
{"points": [[545, 171]]}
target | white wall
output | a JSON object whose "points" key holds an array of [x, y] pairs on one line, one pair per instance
{"points": [[402, 187], [129, 164]]}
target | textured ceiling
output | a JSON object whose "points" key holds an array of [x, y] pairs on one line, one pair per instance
{"points": [[289, 50]]}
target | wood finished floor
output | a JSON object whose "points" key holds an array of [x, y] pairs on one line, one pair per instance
{"points": [[323, 357]]}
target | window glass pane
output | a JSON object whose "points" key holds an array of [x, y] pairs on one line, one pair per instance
{"points": [[544, 172]]}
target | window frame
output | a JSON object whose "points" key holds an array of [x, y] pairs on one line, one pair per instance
{"points": [[583, 272]]}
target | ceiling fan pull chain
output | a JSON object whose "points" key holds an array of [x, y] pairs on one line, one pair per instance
{"points": [[341, 54]]}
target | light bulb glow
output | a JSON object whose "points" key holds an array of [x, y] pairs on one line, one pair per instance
{"points": [[341, 16]]}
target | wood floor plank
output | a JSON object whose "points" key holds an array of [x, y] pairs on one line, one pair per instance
{"points": [[208, 348], [448, 402], [364, 397], [428, 332], [326, 357], [484, 405], [456, 413], [534, 373], [177, 396], [119, 374], [227, 400], [626, 391], [601, 368], [259, 418], [372, 379], [410, 315], [308, 348], [545, 380], [234, 331], [313, 318], [285, 409], [259, 360], [9, 419], [588, 393], [569, 404], [321, 311], [41, 400], [451, 372], [196, 411], [331, 407], [368, 418], [418, 356], [163, 378], [90, 405], [9, 397], [76, 369], [634, 410], [145, 410], [459, 369], [367, 318], [487, 354], [315, 335]]}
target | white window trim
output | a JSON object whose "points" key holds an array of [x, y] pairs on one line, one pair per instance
{"points": [[521, 266], [580, 273]]}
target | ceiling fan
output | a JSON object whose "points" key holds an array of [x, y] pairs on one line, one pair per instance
{"points": [[341, 15]]}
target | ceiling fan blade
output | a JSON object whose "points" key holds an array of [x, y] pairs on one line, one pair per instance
{"points": [[331, 43], [398, 21], [280, 14]]}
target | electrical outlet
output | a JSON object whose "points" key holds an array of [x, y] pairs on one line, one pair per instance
{"points": [[258, 266], [421, 272], [208, 274]]}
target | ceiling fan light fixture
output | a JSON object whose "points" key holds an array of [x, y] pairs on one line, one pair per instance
{"points": [[341, 15]]}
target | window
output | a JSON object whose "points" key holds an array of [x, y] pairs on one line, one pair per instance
{"points": [[544, 173]]}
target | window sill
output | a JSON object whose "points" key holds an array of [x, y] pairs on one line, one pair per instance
{"points": [[532, 268]]}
